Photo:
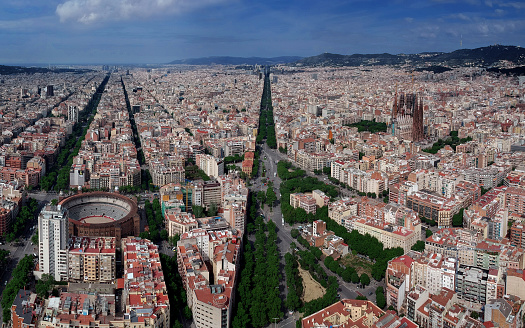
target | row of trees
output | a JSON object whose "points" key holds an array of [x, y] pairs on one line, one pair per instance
{"points": [[266, 123], [129, 189], [259, 295], [24, 217], [58, 176], [298, 215], [156, 228], [20, 278], [176, 292], [294, 282], [302, 183], [271, 197]]}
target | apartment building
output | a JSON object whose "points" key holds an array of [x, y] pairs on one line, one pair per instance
{"points": [[434, 207], [360, 179], [402, 216], [92, 260], [247, 163], [490, 203], [310, 161], [486, 177], [162, 174], [472, 190], [234, 211], [207, 193], [390, 235], [515, 200], [212, 166], [178, 222], [439, 310], [496, 283], [398, 280], [517, 234], [430, 271], [398, 193], [470, 249], [342, 210], [304, 201], [471, 284]]}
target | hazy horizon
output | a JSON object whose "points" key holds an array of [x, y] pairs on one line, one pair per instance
{"points": [[160, 31]]}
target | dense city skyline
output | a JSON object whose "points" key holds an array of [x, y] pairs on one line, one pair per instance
{"points": [[89, 31]]}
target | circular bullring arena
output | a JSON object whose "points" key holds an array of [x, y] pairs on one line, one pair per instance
{"points": [[97, 214]]}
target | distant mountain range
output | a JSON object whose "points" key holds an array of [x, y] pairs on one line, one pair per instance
{"points": [[8, 70], [484, 57], [226, 60]]}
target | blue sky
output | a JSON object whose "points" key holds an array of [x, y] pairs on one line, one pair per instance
{"points": [[158, 31]]}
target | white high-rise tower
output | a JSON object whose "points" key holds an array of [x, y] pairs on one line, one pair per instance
{"points": [[52, 242], [72, 113]]}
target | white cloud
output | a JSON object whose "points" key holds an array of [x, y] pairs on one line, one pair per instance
{"points": [[90, 11], [461, 16], [515, 5]]}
